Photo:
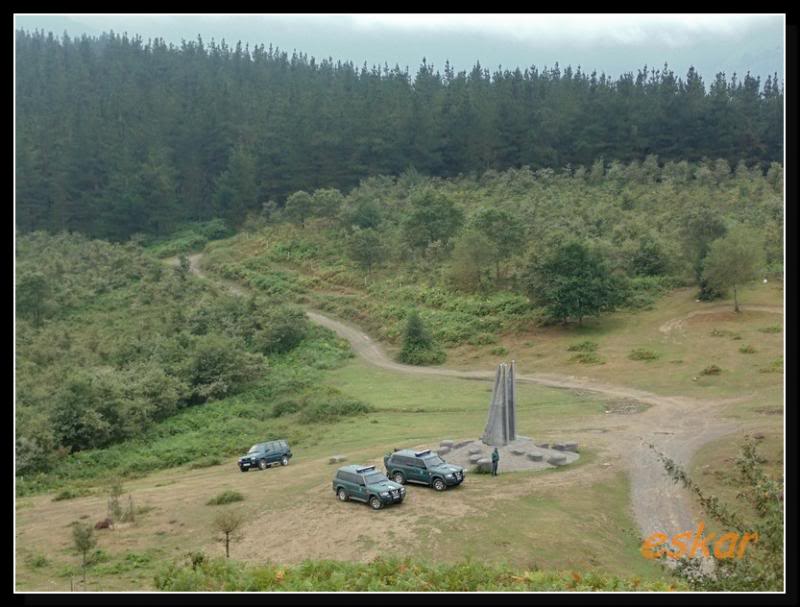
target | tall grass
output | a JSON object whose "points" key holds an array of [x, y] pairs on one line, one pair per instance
{"points": [[388, 575]]}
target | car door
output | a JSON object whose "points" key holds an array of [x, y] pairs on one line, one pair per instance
{"points": [[272, 453], [419, 471], [360, 488]]}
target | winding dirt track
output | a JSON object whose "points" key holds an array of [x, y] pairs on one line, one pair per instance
{"points": [[677, 426]]}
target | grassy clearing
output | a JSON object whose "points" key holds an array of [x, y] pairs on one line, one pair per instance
{"points": [[406, 411]]}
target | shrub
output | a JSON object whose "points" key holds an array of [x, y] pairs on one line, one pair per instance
{"points": [[711, 370], [776, 366], [499, 351], [418, 345], [771, 329], [37, 561], [482, 339], [748, 349], [285, 407], [226, 497], [587, 358], [642, 354], [69, 493], [286, 328], [584, 346]]}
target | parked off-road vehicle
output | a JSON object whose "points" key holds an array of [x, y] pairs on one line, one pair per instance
{"points": [[366, 484], [422, 467], [264, 455]]}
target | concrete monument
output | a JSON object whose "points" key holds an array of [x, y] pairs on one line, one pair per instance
{"points": [[501, 425]]}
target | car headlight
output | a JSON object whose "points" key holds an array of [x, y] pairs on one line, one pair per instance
{"points": [[385, 493], [402, 489], [449, 475]]}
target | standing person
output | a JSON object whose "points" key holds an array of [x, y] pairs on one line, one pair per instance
{"points": [[495, 461]]}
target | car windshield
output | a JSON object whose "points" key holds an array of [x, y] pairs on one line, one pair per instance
{"points": [[253, 449], [375, 477], [433, 461]]}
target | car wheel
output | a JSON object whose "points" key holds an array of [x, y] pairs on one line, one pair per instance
{"points": [[439, 485], [285, 461], [399, 478], [341, 494], [262, 464], [375, 502]]}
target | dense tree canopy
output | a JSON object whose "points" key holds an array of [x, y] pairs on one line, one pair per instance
{"points": [[116, 135]]}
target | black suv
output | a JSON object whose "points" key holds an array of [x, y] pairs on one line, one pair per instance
{"points": [[422, 467], [365, 484], [264, 455]]}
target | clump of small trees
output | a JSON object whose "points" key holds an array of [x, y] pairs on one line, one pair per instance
{"points": [[419, 347]]}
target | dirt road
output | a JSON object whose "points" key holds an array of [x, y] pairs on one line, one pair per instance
{"points": [[677, 426]]}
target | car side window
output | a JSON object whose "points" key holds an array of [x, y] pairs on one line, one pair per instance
{"points": [[419, 463]]}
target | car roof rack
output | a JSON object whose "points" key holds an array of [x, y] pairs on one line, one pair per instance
{"points": [[365, 469], [421, 453]]}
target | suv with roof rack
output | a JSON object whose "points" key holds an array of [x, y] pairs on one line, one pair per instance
{"points": [[426, 467], [264, 455], [366, 484]]}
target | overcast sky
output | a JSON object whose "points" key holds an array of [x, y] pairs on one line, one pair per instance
{"points": [[613, 43]]}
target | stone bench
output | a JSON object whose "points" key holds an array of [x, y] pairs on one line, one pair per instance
{"points": [[543, 445], [475, 451], [461, 444], [518, 451], [474, 459], [446, 443], [571, 447], [335, 459], [484, 464], [443, 450], [557, 460], [536, 457]]}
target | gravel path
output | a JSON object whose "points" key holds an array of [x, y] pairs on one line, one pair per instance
{"points": [[677, 426]]}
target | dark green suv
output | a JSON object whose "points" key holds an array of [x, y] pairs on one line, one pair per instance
{"points": [[264, 455], [423, 467], [366, 484]]}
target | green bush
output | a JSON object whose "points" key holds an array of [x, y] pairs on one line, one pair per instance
{"points": [[499, 351], [776, 366], [642, 354], [37, 561], [285, 407], [748, 349], [711, 370], [226, 497], [70, 493], [771, 329], [587, 358], [584, 346]]}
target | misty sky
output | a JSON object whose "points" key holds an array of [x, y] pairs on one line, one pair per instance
{"points": [[613, 43]]}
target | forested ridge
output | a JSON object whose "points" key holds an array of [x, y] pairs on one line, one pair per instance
{"points": [[117, 136]]}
